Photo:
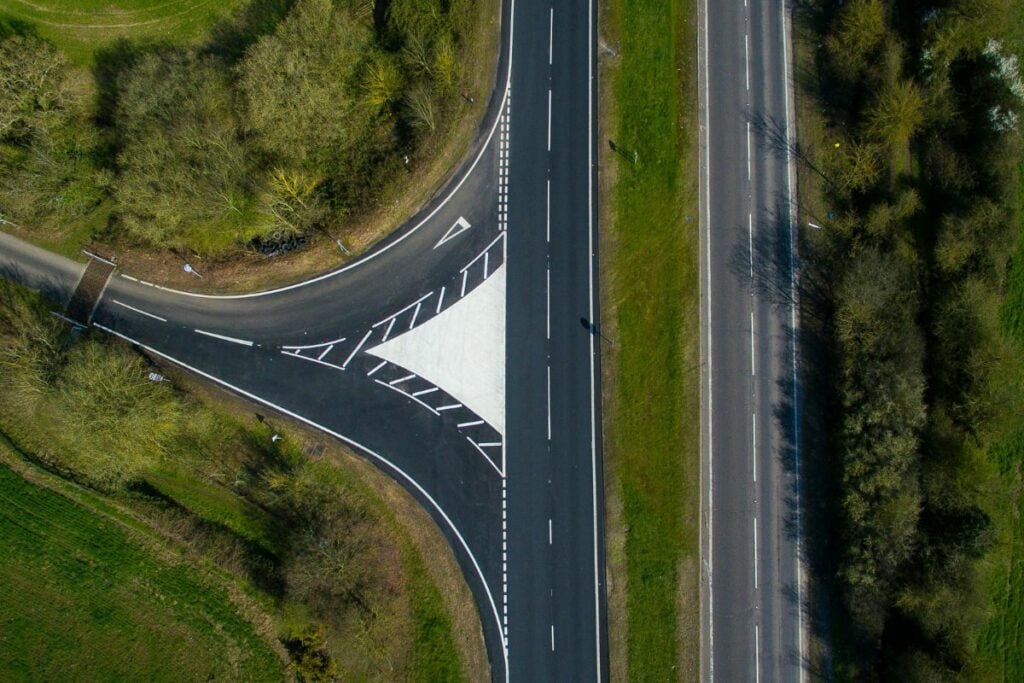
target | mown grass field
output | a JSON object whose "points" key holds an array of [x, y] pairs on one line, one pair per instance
{"points": [[83, 598], [79, 27], [651, 298]]}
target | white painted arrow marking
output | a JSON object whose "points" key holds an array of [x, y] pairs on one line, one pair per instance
{"points": [[458, 227]]}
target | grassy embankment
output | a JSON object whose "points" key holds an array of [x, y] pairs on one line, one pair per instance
{"points": [[80, 27], [329, 553], [91, 595], [650, 295]]}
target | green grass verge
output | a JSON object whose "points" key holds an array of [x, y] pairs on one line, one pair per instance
{"points": [[80, 27], [81, 599], [652, 295]]}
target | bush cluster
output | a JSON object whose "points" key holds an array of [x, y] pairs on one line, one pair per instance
{"points": [[921, 105], [291, 118]]}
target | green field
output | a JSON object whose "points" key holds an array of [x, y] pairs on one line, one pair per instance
{"points": [[83, 598], [652, 304], [79, 27]]}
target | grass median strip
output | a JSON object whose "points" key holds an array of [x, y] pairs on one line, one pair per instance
{"points": [[651, 310]]}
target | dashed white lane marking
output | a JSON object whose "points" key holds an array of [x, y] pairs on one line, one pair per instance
{"points": [[755, 552], [551, 38], [551, 532], [440, 301], [748, 150], [423, 392], [547, 217], [325, 352], [746, 56], [547, 293], [465, 276], [753, 427], [387, 332], [139, 310], [504, 557], [471, 423], [406, 378], [752, 351], [750, 241], [757, 654], [552, 637], [356, 350], [415, 314], [376, 368], [549, 403], [487, 264], [451, 406], [233, 340], [549, 119]]}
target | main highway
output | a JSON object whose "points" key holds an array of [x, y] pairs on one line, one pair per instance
{"points": [[753, 604], [451, 355]]}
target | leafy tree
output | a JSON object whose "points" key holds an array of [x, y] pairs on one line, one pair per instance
{"points": [[33, 91], [182, 168], [860, 29], [297, 85], [896, 114]]}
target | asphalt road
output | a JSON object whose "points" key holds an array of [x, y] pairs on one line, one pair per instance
{"points": [[753, 593], [520, 503]]}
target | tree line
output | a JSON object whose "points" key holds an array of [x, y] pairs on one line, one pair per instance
{"points": [[921, 104], [292, 118]]}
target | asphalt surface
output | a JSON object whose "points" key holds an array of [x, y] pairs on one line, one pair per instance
{"points": [[753, 591], [521, 509]]}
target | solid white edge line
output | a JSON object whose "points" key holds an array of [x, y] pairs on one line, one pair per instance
{"points": [[403, 310], [793, 322], [233, 340], [139, 310], [407, 395], [296, 354], [707, 450], [356, 350], [593, 380], [314, 346], [355, 444], [497, 469]]}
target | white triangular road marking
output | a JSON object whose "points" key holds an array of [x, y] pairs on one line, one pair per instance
{"points": [[461, 350], [458, 227]]}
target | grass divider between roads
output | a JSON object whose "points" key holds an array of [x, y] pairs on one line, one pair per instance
{"points": [[651, 298]]}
